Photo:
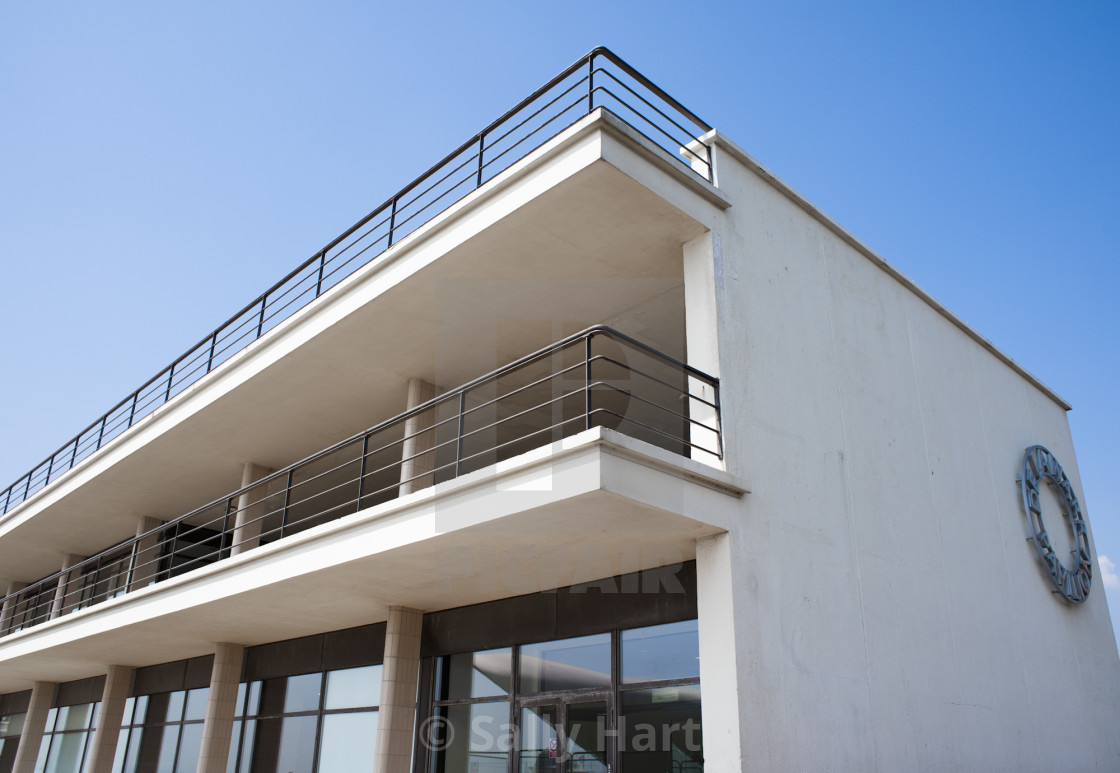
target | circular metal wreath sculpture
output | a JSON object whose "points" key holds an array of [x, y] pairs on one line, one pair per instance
{"points": [[1039, 465]]}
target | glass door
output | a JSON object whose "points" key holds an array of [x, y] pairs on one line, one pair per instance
{"points": [[565, 735]]}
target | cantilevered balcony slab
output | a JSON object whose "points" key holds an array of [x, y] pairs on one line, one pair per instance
{"points": [[595, 504], [586, 229]]}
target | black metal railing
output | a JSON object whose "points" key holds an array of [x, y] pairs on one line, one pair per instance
{"points": [[596, 378], [598, 80]]}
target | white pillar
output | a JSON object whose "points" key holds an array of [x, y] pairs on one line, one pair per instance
{"points": [[42, 694], [249, 518], [103, 745], [61, 603], [9, 606], [719, 663], [417, 441], [145, 556], [396, 717], [221, 704]]}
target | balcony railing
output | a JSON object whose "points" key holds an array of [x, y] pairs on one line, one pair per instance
{"points": [[598, 80], [597, 378]]}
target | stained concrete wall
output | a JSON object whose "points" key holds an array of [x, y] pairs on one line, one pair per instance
{"points": [[890, 614]]}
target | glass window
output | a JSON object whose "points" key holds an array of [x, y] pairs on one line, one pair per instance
{"points": [[65, 738], [567, 664], [281, 722], [196, 703], [11, 725], [472, 737], [162, 733], [478, 674], [669, 651], [575, 683], [190, 746], [351, 688], [348, 741], [660, 730]]}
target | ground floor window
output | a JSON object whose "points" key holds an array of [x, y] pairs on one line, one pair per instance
{"points": [[11, 725], [319, 722], [624, 700], [66, 739], [162, 732]]}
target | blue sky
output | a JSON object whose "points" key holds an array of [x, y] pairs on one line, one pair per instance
{"points": [[161, 164]]}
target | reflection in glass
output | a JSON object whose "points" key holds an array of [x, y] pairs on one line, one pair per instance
{"points": [[567, 664], [540, 751], [353, 687], [660, 730], [189, 748], [297, 744], [472, 738], [669, 651], [196, 703], [175, 705], [478, 674], [586, 730], [348, 742], [66, 753], [166, 763]]}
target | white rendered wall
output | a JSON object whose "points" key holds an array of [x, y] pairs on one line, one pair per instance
{"points": [[892, 615]]}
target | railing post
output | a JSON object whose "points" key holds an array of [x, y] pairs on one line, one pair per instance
{"points": [[362, 472], [287, 501], [8, 499], [132, 413], [170, 379], [213, 345], [260, 323], [587, 382], [50, 468], [719, 419], [590, 84], [481, 147], [27, 488], [392, 222], [322, 265], [226, 533], [74, 453], [101, 432], [459, 432]]}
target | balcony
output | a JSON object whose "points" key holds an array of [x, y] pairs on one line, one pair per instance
{"points": [[598, 378], [600, 81]]}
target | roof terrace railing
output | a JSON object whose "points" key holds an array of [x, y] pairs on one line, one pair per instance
{"points": [[599, 79], [596, 378]]}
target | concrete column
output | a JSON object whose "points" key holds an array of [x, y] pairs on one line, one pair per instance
{"points": [[417, 441], [8, 609], [103, 745], [42, 694], [397, 711], [217, 728], [703, 286], [248, 521], [719, 663], [145, 558], [60, 601]]}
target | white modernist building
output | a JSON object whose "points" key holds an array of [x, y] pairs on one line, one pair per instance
{"points": [[597, 447]]}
